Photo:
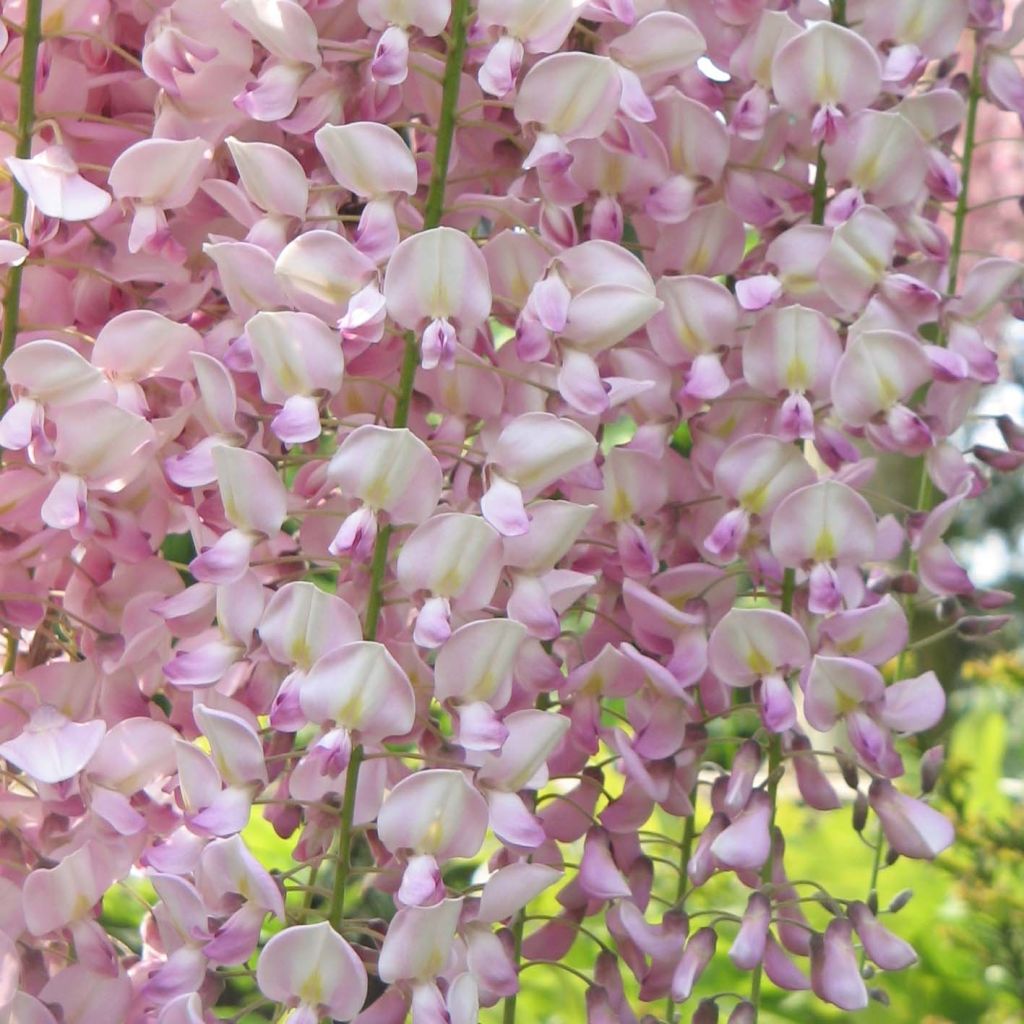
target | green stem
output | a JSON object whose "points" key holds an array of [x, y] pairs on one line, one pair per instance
{"points": [[337, 908], [924, 490], [774, 761], [30, 40], [508, 1014], [876, 866], [820, 187], [960, 215], [432, 213], [446, 123], [685, 848], [775, 757]]}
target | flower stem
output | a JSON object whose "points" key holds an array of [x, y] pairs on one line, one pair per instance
{"points": [[433, 211], [820, 187], [685, 848], [337, 908], [508, 1014], [774, 763], [924, 490], [960, 214], [30, 39]]}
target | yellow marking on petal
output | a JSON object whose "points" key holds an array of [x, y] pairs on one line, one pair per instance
{"points": [[758, 663], [754, 499], [613, 180], [377, 493], [727, 426], [301, 653], [434, 834], [622, 507], [450, 584], [484, 687], [797, 374], [846, 703], [824, 546], [827, 95], [350, 714], [887, 390], [311, 991]]}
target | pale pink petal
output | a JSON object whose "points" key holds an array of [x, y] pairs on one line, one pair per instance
{"points": [[314, 965], [825, 522], [322, 271], [750, 643], [476, 663], [509, 889], [361, 687], [835, 974], [388, 469], [55, 187], [913, 705], [662, 43], [826, 65], [571, 95], [51, 748], [437, 274], [64, 507], [302, 622], [367, 158], [453, 555], [837, 685], [273, 179], [436, 812], [419, 942], [164, 173], [533, 735]]}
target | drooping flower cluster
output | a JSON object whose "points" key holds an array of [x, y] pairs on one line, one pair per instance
{"points": [[441, 429]]}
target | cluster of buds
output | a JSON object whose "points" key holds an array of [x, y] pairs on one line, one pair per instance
{"points": [[460, 433]]}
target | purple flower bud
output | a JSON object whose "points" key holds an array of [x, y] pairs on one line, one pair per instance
{"points": [[700, 948], [911, 827], [931, 767], [835, 974], [900, 900], [706, 1012], [889, 951], [741, 779], [743, 1013], [747, 949]]}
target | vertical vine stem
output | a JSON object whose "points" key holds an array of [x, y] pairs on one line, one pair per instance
{"points": [[686, 847], [30, 39], [924, 489], [432, 212], [788, 590], [774, 775]]}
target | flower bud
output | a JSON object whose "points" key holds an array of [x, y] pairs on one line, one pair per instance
{"points": [[706, 1013], [743, 1013], [900, 900], [860, 812], [931, 767], [848, 767]]}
